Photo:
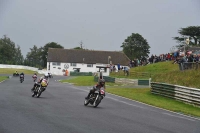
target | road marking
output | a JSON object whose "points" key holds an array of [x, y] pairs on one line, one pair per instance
{"points": [[157, 107], [178, 116], [2, 81], [124, 102], [183, 116]]}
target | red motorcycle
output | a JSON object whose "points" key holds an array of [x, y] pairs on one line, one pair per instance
{"points": [[95, 98]]}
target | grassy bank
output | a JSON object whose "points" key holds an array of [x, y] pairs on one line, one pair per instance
{"points": [[166, 72], [3, 78], [12, 70], [142, 95]]}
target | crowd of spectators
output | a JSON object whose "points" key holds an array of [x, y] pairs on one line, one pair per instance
{"points": [[177, 57]]}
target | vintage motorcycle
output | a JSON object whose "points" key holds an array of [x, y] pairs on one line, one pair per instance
{"points": [[39, 88], [95, 98], [21, 78], [34, 78], [50, 75]]}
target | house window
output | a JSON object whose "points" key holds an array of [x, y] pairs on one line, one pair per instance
{"points": [[73, 64], [56, 63], [89, 65]]}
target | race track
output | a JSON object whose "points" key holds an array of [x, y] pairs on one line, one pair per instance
{"points": [[60, 109]]}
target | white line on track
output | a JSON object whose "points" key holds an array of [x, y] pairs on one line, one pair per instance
{"points": [[179, 117], [178, 114], [2, 81]]}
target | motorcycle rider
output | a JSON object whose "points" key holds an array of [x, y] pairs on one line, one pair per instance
{"points": [[46, 76], [21, 74], [15, 73], [34, 76], [101, 83]]}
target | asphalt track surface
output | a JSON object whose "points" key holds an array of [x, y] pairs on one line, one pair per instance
{"points": [[60, 109]]}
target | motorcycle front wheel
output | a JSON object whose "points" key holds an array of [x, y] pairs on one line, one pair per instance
{"points": [[86, 102], [33, 94], [39, 92], [96, 102]]}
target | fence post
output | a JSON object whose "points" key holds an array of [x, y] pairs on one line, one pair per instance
{"points": [[149, 82]]}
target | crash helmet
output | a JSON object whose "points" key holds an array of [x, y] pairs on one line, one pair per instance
{"points": [[46, 76], [102, 82]]}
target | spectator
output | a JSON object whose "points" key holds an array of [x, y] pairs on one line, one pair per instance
{"points": [[118, 66]]}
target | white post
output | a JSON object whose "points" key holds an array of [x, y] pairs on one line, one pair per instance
{"points": [[149, 82]]}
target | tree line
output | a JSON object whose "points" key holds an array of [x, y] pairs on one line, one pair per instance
{"points": [[10, 53]]}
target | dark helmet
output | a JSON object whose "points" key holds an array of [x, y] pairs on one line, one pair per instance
{"points": [[102, 81]]}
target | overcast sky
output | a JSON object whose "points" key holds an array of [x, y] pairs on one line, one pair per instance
{"points": [[99, 24]]}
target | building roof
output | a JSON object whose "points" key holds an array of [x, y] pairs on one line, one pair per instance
{"points": [[86, 56]]}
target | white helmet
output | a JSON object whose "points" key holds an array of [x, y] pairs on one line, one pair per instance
{"points": [[46, 75]]}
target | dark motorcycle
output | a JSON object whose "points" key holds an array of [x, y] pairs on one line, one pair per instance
{"points": [[95, 98], [39, 88], [15, 74], [21, 78], [50, 75], [34, 78]]}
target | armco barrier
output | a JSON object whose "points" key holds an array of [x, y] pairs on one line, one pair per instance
{"points": [[143, 82], [133, 82], [107, 79], [182, 93], [126, 81], [80, 73]]}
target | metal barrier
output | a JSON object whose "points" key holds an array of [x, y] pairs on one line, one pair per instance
{"points": [[107, 79], [80, 73], [132, 82], [132, 74], [181, 93], [188, 65], [126, 81]]}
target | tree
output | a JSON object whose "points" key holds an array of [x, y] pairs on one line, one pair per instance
{"points": [[9, 54], [191, 32], [135, 46], [44, 51], [77, 48], [18, 56], [34, 57]]}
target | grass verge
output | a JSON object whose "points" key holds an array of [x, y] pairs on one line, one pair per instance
{"points": [[84, 81], [12, 70], [140, 94], [145, 96], [3, 78]]}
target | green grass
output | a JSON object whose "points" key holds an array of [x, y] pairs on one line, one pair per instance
{"points": [[140, 94], [3, 78], [12, 70], [84, 81], [150, 70], [145, 96], [165, 72]]}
